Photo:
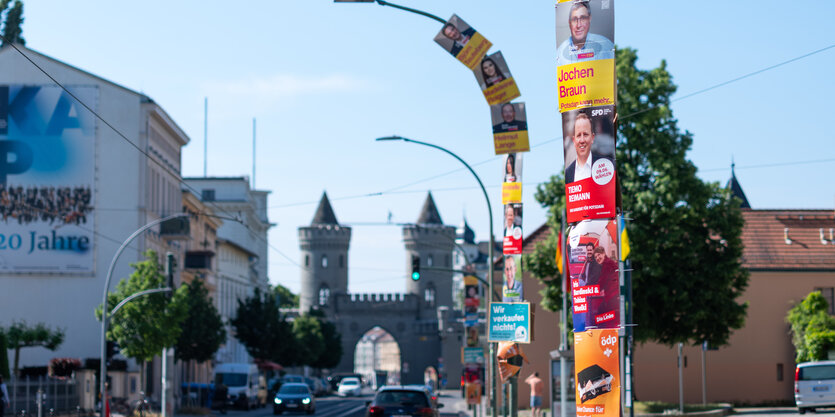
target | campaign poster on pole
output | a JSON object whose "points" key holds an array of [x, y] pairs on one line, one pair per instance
{"points": [[512, 240], [585, 33], [463, 42], [597, 373], [510, 128], [47, 179], [590, 175], [512, 283], [512, 179], [593, 273], [494, 78], [471, 301]]}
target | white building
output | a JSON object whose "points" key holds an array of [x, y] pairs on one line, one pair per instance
{"points": [[242, 249], [86, 186]]}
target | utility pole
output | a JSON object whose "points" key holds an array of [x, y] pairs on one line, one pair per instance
{"points": [[168, 352]]}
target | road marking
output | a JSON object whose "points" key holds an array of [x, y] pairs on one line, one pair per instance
{"points": [[340, 411]]}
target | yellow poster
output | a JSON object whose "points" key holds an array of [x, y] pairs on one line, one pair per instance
{"points": [[597, 375], [586, 84], [473, 392], [511, 192], [511, 142], [502, 92], [474, 50]]}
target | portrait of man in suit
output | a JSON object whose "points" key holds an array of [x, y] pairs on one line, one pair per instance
{"points": [[583, 139]]}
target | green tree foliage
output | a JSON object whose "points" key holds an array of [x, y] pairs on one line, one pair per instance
{"points": [[307, 331], [13, 21], [812, 328], [286, 299], [21, 335], [261, 329], [4, 355], [204, 334], [147, 324], [685, 233], [332, 343]]}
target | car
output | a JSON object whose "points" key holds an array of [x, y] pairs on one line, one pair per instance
{"points": [[349, 386], [336, 378], [294, 396], [427, 389], [814, 385], [398, 400]]}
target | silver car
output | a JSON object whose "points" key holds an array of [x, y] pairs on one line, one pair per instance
{"points": [[814, 385]]}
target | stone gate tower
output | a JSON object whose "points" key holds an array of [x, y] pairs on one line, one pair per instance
{"points": [[433, 243], [324, 258]]}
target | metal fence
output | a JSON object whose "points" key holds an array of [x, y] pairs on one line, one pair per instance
{"points": [[56, 395]]}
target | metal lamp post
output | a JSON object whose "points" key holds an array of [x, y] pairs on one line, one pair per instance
{"points": [[491, 359], [105, 316]]}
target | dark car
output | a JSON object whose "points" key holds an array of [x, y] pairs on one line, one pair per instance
{"points": [[293, 396], [403, 401]]}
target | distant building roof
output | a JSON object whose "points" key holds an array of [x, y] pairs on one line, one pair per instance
{"points": [[767, 232], [324, 214], [465, 233], [429, 214]]}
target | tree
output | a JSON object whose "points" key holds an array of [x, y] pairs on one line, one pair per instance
{"points": [[147, 324], [4, 355], [686, 234], [201, 339], [812, 328], [332, 346], [286, 299], [13, 22], [260, 327], [21, 335], [307, 331]]}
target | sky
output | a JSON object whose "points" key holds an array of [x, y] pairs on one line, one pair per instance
{"points": [[323, 80]]}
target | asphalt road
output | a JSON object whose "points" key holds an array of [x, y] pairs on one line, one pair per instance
{"points": [[329, 406]]}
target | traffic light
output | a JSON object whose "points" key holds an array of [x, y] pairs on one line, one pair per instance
{"points": [[415, 267], [112, 349]]}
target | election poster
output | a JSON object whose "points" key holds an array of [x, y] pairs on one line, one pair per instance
{"points": [[512, 283], [512, 179], [494, 78], [463, 42], [590, 177], [512, 240], [585, 53], [597, 373], [472, 300], [594, 275], [47, 178], [510, 128]]}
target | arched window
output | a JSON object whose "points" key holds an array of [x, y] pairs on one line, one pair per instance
{"points": [[341, 261], [324, 261], [324, 295], [429, 261], [429, 294], [306, 260]]}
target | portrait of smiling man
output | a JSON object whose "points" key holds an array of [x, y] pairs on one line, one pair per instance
{"points": [[582, 45], [583, 139]]}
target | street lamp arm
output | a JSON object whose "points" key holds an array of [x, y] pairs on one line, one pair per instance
{"points": [[408, 9], [137, 295]]}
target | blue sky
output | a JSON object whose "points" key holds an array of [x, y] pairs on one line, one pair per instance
{"points": [[323, 80]]}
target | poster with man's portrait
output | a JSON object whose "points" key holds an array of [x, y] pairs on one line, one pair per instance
{"points": [[512, 240], [585, 53], [594, 274], [512, 282], [512, 179], [590, 177], [510, 128], [493, 76], [463, 42]]}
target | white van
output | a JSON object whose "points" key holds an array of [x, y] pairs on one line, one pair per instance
{"points": [[241, 379], [814, 385]]}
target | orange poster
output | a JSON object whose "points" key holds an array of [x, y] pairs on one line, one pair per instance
{"points": [[597, 369]]}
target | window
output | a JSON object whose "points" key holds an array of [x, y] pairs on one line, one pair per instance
{"points": [[324, 295], [341, 261], [779, 371], [429, 294], [429, 261], [208, 194], [828, 294], [324, 261], [306, 260]]}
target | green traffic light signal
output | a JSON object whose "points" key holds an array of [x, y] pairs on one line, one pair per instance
{"points": [[415, 267], [415, 276]]}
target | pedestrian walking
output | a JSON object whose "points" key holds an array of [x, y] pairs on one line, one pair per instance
{"points": [[536, 393], [4, 397]]}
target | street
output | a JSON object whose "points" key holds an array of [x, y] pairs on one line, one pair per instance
{"points": [[329, 406]]}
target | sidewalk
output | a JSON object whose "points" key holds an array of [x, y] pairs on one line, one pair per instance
{"points": [[454, 405]]}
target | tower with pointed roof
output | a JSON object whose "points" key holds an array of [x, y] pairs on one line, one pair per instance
{"points": [[324, 258], [736, 189], [433, 242]]}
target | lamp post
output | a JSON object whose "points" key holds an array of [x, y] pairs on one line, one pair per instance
{"points": [[490, 260], [105, 316]]}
